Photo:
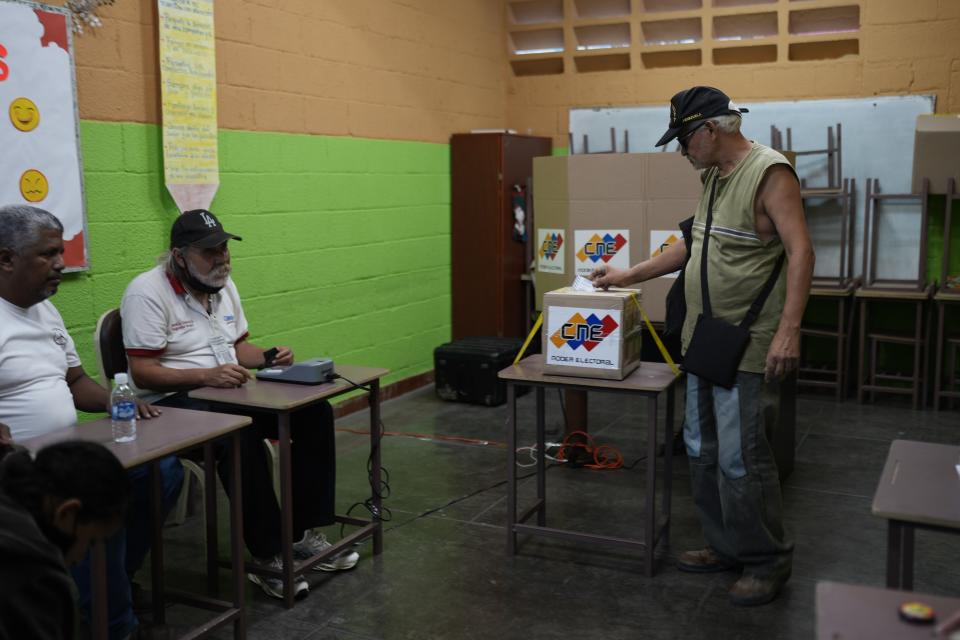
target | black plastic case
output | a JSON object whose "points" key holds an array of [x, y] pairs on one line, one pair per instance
{"points": [[466, 370]]}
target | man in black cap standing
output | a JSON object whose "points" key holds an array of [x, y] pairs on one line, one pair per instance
{"points": [[183, 328], [741, 335]]}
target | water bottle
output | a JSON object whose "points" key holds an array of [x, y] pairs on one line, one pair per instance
{"points": [[123, 410]]}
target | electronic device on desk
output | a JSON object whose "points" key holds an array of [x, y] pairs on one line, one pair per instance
{"points": [[315, 371]]}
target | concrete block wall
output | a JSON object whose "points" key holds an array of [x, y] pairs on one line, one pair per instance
{"points": [[334, 158], [388, 69], [346, 240], [905, 47]]}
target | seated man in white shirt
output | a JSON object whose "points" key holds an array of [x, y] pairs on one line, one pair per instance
{"points": [[183, 328], [42, 385]]}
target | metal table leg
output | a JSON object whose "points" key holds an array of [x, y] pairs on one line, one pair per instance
{"points": [[210, 508], [651, 505], [236, 538], [541, 459], [900, 555], [511, 468], [286, 507], [375, 465], [156, 549], [668, 464]]}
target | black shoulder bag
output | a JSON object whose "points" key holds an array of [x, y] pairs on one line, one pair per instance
{"points": [[716, 346]]}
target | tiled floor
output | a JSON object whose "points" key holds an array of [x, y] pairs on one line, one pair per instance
{"points": [[446, 574]]}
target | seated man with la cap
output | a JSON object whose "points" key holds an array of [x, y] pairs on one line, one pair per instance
{"points": [[183, 328], [43, 384]]}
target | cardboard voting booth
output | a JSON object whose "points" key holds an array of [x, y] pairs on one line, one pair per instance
{"points": [[592, 334], [935, 154], [609, 209]]}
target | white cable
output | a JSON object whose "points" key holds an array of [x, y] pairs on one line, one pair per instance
{"points": [[532, 452]]}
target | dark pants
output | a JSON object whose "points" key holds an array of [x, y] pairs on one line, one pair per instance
{"points": [[313, 471], [736, 487]]}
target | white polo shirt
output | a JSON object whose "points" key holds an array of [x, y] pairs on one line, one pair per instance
{"points": [[35, 353], [162, 320]]}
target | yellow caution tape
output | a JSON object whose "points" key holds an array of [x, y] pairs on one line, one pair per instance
{"points": [[646, 319], [656, 338], [526, 343]]}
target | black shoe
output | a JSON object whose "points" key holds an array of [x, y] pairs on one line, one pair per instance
{"points": [[750, 591], [704, 560]]}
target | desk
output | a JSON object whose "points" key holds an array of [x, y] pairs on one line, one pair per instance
{"points": [[848, 612], [918, 489], [649, 380], [174, 431], [283, 399]]}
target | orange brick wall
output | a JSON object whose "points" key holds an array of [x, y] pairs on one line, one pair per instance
{"points": [[906, 46], [388, 69]]}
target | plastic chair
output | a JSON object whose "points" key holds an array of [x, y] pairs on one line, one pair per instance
{"points": [[111, 360]]}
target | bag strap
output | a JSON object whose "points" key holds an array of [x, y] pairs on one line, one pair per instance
{"points": [[754, 312], [704, 290]]}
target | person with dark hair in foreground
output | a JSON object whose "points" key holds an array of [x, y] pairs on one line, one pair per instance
{"points": [[52, 509]]}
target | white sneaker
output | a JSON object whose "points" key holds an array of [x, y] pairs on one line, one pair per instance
{"points": [[315, 542], [273, 585]]}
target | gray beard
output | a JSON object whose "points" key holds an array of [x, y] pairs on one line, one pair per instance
{"points": [[212, 279]]}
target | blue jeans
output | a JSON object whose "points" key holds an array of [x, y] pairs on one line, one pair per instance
{"points": [[735, 484], [128, 548]]}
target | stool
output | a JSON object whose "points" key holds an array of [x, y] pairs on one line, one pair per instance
{"points": [[915, 380], [948, 348], [869, 379], [837, 377]]}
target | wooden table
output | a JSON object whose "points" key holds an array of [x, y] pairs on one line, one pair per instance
{"points": [[174, 431], [283, 399], [919, 488], [649, 380], [848, 612]]}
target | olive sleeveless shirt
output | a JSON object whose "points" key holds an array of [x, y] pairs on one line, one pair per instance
{"points": [[739, 263]]}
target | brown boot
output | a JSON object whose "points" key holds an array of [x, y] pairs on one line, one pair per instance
{"points": [[750, 590], [704, 560]]}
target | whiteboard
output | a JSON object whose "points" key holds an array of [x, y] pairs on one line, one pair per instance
{"points": [[878, 136]]}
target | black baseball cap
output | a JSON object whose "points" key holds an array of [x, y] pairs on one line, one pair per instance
{"points": [[199, 228], [695, 104]]}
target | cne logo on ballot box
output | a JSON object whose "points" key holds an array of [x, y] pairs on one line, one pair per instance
{"points": [[584, 332], [591, 333]]}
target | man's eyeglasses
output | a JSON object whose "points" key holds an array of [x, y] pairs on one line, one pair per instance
{"points": [[684, 140]]}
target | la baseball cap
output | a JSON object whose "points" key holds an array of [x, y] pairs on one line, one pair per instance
{"points": [[200, 228]]}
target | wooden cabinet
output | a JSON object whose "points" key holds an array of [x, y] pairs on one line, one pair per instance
{"points": [[486, 260]]}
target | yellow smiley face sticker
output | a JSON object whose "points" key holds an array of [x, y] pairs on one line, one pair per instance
{"points": [[24, 114], [33, 185]]}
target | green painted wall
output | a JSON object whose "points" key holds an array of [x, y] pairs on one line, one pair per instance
{"points": [[346, 249]]}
